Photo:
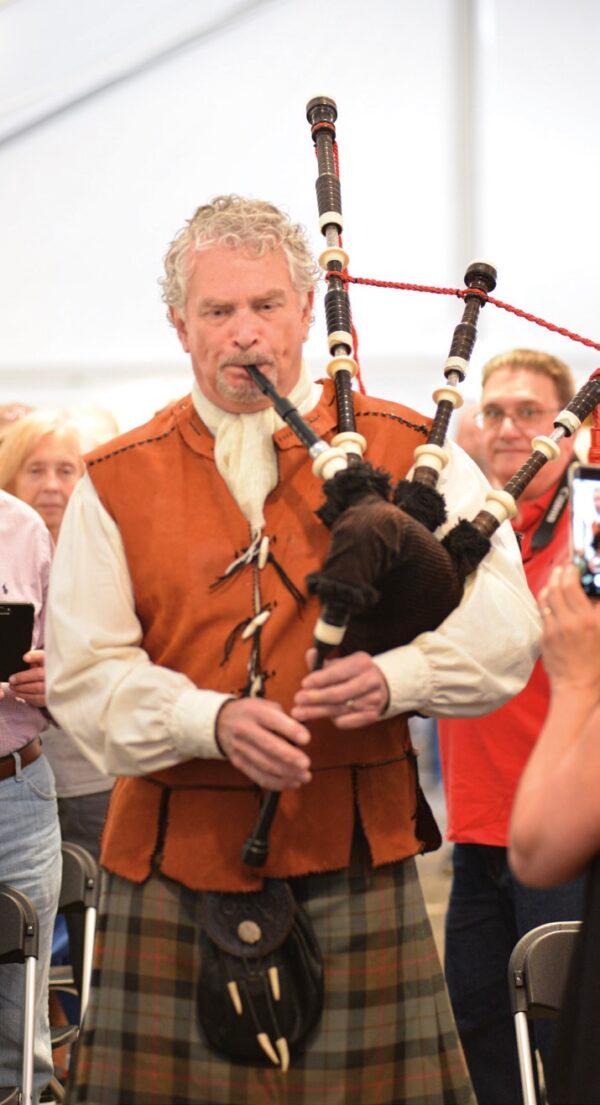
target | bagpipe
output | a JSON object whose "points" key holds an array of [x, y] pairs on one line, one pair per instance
{"points": [[387, 578]]}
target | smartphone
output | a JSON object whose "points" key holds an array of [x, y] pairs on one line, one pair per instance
{"points": [[584, 480], [16, 635]]}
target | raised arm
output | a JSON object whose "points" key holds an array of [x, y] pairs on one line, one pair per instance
{"points": [[555, 825]]}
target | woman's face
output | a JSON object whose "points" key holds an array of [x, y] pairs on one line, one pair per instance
{"points": [[47, 477]]}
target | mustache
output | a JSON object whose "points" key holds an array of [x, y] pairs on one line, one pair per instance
{"points": [[243, 359]]}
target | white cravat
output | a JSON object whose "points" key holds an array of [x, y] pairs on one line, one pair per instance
{"points": [[244, 449]]}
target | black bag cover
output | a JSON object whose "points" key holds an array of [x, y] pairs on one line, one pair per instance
{"points": [[260, 991]]}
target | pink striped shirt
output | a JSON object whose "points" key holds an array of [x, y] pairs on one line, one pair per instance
{"points": [[25, 555]]}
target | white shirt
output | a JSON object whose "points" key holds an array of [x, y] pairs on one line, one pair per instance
{"points": [[132, 717]]}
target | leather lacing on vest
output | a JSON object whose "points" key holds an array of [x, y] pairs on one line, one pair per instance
{"points": [[253, 555], [239, 630], [242, 562]]}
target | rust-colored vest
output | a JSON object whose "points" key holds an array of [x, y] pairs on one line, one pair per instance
{"points": [[181, 528]]}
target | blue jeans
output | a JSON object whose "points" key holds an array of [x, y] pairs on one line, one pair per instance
{"points": [[488, 912], [30, 860]]}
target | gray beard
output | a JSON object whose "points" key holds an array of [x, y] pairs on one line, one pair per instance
{"points": [[246, 391]]}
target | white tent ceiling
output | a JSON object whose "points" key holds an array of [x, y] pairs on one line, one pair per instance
{"points": [[58, 53]]}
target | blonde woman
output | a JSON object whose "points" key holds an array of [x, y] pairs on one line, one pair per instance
{"points": [[40, 463]]}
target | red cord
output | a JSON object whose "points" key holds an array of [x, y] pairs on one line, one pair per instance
{"points": [[322, 125], [407, 287], [462, 293], [336, 159], [594, 453]]}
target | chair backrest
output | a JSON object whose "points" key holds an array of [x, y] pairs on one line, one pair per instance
{"points": [[538, 969], [79, 885], [19, 931], [19, 943]]}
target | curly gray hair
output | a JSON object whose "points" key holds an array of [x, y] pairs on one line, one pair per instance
{"points": [[237, 222]]}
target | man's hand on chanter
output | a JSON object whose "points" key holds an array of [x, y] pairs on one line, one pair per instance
{"points": [[352, 691], [30, 685], [263, 742]]}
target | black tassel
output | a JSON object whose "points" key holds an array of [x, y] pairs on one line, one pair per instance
{"points": [[423, 503], [348, 487], [466, 545]]}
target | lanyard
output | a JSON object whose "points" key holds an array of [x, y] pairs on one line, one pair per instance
{"points": [[543, 533]]}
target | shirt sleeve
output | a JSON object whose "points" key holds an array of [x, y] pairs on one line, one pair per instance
{"points": [[128, 715], [484, 652]]}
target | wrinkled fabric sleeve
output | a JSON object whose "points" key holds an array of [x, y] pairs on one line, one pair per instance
{"points": [[483, 653], [128, 715]]}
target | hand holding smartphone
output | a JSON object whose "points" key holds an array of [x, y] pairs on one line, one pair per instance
{"points": [[16, 635], [584, 482]]}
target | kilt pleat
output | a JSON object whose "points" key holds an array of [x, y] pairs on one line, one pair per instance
{"points": [[386, 1037]]}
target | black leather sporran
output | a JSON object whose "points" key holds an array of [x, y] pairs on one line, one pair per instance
{"points": [[260, 991]]}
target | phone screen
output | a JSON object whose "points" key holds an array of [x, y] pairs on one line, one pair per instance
{"points": [[16, 629], [585, 525]]}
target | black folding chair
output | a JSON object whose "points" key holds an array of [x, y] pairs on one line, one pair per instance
{"points": [[78, 894], [537, 973], [19, 943]]}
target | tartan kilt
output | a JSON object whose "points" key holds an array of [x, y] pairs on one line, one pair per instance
{"points": [[387, 1036]]}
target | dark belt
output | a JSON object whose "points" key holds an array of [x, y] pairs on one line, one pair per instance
{"points": [[28, 754]]}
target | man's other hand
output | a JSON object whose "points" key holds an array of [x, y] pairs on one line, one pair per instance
{"points": [[30, 685], [351, 691], [263, 742]]}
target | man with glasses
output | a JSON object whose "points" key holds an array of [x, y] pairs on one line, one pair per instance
{"points": [[482, 758]]}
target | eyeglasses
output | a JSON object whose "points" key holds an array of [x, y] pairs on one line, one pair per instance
{"points": [[524, 417]]}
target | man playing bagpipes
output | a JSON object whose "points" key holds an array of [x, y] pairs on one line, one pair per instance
{"points": [[178, 631]]}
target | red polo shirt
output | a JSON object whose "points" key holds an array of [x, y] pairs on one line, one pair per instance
{"points": [[483, 757]]}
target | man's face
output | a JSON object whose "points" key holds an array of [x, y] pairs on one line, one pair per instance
{"points": [[242, 310], [514, 393]]}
